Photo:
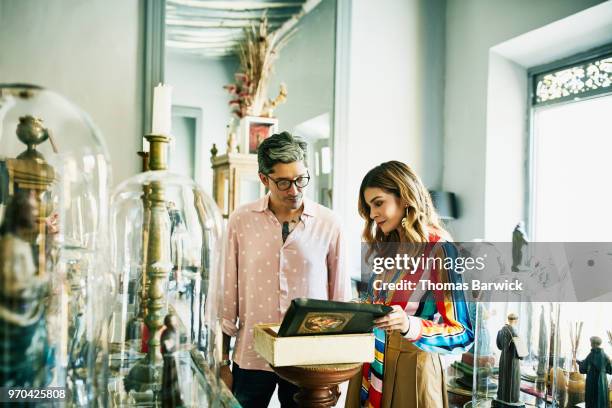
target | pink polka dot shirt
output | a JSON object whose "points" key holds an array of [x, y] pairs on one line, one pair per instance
{"points": [[263, 273]]}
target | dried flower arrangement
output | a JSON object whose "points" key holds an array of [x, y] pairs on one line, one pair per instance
{"points": [[575, 332], [610, 336], [257, 54]]}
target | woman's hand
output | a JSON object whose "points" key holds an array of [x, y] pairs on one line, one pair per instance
{"points": [[397, 319]]}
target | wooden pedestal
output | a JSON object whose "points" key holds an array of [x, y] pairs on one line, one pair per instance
{"points": [[318, 383]]}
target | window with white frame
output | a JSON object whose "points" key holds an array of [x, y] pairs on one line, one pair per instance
{"points": [[570, 191], [571, 157]]}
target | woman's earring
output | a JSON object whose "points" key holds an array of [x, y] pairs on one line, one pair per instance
{"points": [[405, 219]]}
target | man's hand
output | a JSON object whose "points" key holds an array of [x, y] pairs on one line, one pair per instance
{"points": [[226, 373], [227, 376], [397, 319]]}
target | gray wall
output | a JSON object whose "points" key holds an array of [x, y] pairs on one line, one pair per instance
{"points": [[198, 82], [472, 28], [306, 66], [88, 51], [395, 97], [396, 84]]}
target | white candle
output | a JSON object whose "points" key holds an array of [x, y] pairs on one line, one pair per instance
{"points": [[162, 110]]}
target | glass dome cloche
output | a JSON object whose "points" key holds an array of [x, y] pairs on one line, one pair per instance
{"points": [[515, 358], [165, 335], [54, 285], [505, 377]]}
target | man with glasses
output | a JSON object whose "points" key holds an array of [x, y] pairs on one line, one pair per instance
{"points": [[280, 247]]}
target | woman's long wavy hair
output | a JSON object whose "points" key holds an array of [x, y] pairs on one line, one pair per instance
{"points": [[399, 179]]}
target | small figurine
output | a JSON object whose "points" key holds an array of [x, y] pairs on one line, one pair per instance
{"points": [[22, 319], [170, 340], [483, 337], [596, 366], [508, 391], [232, 141], [519, 247]]}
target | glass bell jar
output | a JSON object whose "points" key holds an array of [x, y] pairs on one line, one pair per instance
{"points": [[584, 335], [165, 334], [54, 285], [515, 360]]}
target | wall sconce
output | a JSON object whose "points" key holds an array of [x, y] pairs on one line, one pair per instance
{"points": [[445, 204]]}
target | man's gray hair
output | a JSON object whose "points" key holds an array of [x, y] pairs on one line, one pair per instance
{"points": [[280, 148]]}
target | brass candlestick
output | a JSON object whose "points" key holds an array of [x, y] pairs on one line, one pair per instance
{"points": [[146, 374], [146, 219], [135, 325], [144, 282]]}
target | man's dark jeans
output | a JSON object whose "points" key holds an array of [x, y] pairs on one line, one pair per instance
{"points": [[254, 388]]}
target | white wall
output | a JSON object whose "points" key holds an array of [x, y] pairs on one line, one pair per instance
{"points": [[506, 145], [395, 97], [473, 27], [396, 89], [198, 82], [88, 51]]}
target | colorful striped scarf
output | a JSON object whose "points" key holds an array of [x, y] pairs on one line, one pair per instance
{"points": [[372, 380], [451, 333]]}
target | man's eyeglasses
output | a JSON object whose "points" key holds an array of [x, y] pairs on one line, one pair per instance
{"points": [[284, 184]]}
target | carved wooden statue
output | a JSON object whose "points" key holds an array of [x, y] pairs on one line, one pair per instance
{"points": [[596, 366], [508, 391]]}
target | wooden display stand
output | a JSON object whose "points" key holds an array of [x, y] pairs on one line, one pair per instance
{"points": [[318, 383], [235, 180], [319, 363]]}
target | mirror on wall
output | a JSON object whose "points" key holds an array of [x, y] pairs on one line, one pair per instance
{"points": [[201, 39]]}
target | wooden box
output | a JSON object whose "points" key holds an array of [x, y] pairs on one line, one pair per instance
{"points": [[310, 350]]}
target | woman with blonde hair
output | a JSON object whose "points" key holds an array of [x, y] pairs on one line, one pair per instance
{"points": [[407, 371]]}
